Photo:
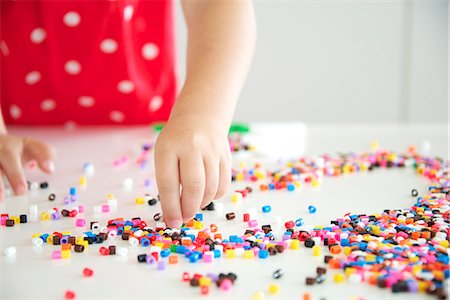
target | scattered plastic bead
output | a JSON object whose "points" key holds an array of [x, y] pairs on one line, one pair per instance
{"points": [[312, 209], [266, 208], [10, 251], [299, 222], [69, 295], [414, 193], [87, 272], [274, 288], [230, 216], [278, 274]]}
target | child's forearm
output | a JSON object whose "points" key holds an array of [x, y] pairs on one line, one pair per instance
{"points": [[2, 123], [221, 41]]}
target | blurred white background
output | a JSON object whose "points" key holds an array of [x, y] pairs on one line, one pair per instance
{"points": [[345, 61]]}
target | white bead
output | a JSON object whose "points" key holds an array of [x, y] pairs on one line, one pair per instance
{"points": [[317, 240], [138, 233], [133, 241], [239, 251], [112, 202], [10, 251], [127, 183], [37, 241], [33, 213], [89, 169], [112, 234], [122, 251]]}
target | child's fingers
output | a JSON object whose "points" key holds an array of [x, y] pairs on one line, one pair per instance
{"points": [[192, 175], [211, 180], [225, 177], [12, 167], [169, 188], [41, 152]]}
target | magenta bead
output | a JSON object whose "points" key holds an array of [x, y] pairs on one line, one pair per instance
{"points": [[226, 285], [80, 222], [56, 254], [105, 208]]}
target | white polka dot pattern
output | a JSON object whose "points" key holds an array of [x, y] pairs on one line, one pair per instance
{"points": [[72, 67], [15, 112], [72, 19], [125, 87], [128, 12], [155, 103], [32, 78], [116, 116], [38, 35], [86, 101], [108, 46], [48, 105], [150, 51]]}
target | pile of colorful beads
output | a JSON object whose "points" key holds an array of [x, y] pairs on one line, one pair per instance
{"points": [[223, 281], [405, 250]]}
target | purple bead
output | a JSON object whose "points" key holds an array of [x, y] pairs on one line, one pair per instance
{"points": [[161, 265]]}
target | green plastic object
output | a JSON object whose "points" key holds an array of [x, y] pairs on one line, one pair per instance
{"points": [[239, 127], [235, 127]]}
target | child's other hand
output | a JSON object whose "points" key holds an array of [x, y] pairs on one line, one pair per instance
{"points": [[193, 152], [15, 152]]}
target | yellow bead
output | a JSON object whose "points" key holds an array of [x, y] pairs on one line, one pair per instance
{"points": [[422, 286], [349, 271], [66, 233], [230, 253], [85, 244], [339, 278], [45, 216], [444, 243], [65, 254], [49, 239], [317, 250], [347, 250], [274, 288], [126, 228], [16, 219], [258, 296], [235, 197], [249, 254], [82, 180], [36, 235], [110, 196], [239, 176], [204, 281], [140, 200], [297, 184], [370, 257], [79, 240], [315, 183], [374, 145], [199, 225], [295, 244]]}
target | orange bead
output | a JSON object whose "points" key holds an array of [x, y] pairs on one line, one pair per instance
{"points": [[306, 296], [173, 259], [336, 249], [213, 228]]}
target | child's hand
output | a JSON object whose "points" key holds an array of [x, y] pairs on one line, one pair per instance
{"points": [[18, 151], [193, 152]]}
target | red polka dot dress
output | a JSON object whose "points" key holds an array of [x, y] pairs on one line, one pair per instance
{"points": [[87, 62]]}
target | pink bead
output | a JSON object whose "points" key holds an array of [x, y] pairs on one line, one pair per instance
{"points": [[80, 222], [226, 285], [105, 208], [56, 254], [252, 223], [207, 258], [80, 208]]}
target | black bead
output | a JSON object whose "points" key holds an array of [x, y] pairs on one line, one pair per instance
{"points": [[152, 201], [23, 218], [112, 250], [278, 274], [142, 258], [9, 223], [310, 280], [51, 197], [309, 243], [44, 185], [414, 193], [79, 248]]}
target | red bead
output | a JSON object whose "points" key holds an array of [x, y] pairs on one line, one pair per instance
{"points": [[246, 217], [204, 290], [73, 213], [186, 276], [87, 272], [289, 224], [69, 295], [104, 251]]}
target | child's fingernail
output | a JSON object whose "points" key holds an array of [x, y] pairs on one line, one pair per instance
{"points": [[175, 224], [50, 165], [21, 189]]}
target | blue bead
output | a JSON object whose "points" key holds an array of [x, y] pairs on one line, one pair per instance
{"points": [[263, 253], [271, 186], [345, 242], [199, 217], [145, 242], [299, 222], [73, 191], [312, 209], [181, 249], [291, 187], [266, 208], [217, 253], [165, 252]]}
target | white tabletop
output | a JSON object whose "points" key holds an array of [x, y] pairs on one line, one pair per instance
{"points": [[32, 274]]}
